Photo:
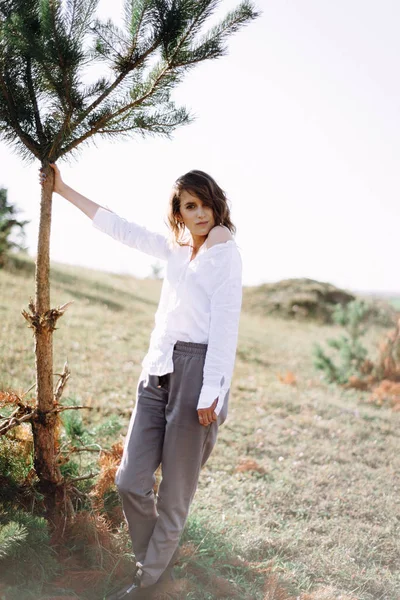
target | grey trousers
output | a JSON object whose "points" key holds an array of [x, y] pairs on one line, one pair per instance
{"points": [[164, 429]]}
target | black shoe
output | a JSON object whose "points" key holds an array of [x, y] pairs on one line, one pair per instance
{"points": [[135, 591], [130, 591]]}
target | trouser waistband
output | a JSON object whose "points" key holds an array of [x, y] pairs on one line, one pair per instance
{"points": [[189, 348]]}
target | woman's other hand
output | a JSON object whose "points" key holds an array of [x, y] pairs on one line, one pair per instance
{"points": [[58, 182], [207, 415]]}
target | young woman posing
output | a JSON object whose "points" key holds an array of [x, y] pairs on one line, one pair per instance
{"points": [[182, 393]]}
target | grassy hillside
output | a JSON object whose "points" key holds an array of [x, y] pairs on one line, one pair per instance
{"points": [[304, 481]]}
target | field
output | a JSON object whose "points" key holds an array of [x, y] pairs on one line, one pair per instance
{"points": [[300, 498]]}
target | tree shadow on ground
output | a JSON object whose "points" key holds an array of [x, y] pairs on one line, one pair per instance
{"points": [[85, 289], [209, 567], [92, 299]]}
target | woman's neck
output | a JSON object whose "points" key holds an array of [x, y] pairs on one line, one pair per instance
{"points": [[197, 241]]}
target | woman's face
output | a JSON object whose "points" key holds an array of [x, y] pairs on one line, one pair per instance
{"points": [[197, 217]]}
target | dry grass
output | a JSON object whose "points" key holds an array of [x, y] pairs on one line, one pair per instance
{"points": [[109, 461], [304, 482]]}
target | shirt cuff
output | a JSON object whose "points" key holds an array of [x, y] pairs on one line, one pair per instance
{"points": [[207, 396]]}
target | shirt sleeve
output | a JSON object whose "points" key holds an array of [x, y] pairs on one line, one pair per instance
{"points": [[131, 234], [225, 292]]}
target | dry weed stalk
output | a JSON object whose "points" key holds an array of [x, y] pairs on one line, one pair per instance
{"points": [[96, 545], [288, 379], [273, 589], [387, 392], [248, 464], [90, 528], [382, 378], [187, 551], [109, 461], [389, 360]]}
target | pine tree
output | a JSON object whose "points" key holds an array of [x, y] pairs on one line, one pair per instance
{"points": [[8, 223], [48, 110]]}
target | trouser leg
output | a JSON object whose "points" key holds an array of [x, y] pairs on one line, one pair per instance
{"points": [[187, 446], [142, 455], [177, 488]]}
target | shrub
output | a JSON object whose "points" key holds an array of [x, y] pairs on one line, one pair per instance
{"points": [[352, 355], [26, 556]]}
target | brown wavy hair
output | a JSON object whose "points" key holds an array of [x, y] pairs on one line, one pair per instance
{"points": [[204, 187]]}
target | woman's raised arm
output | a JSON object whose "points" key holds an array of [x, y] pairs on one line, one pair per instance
{"points": [[84, 204], [133, 235]]}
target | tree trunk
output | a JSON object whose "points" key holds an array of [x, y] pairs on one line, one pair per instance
{"points": [[45, 426]]}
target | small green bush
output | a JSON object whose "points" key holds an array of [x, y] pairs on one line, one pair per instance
{"points": [[26, 556], [351, 354], [15, 462]]}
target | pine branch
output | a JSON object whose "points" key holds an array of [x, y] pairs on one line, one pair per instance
{"points": [[199, 19], [48, 15], [72, 6], [135, 12], [39, 126], [12, 536], [62, 54], [205, 8], [108, 118], [25, 138], [28, 414], [162, 75], [210, 46], [58, 52], [105, 95], [97, 28], [79, 17], [60, 409], [62, 382], [66, 86], [83, 478], [89, 448], [230, 23], [15, 421], [158, 122], [29, 389]]}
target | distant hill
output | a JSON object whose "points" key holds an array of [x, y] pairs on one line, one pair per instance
{"points": [[310, 299]]}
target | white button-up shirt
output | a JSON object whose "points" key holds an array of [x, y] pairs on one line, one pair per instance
{"points": [[200, 302]]}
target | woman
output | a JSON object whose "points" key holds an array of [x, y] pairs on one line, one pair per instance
{"points": [[183, 389]]}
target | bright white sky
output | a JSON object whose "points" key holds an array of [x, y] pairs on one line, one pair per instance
{"points": [[300, 125]]}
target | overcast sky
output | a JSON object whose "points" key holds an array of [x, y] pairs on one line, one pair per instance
{"points": [[299, 124]]}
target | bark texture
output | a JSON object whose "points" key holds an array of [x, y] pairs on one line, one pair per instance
{"points": [[45, 426]]}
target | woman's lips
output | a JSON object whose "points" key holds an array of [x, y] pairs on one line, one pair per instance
{"points": [[203, 223]]}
